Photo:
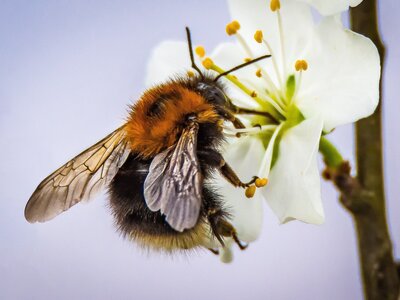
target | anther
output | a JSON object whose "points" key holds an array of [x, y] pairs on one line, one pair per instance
{"points": [[190, 73], [258, 36], [208, 63], [200, 51], [247, 59], [301, 65], [275, 5], [232, 27], [258, 73], [253, 94], [250, 191], [260, 182]]}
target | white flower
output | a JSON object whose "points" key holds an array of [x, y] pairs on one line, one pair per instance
{"points": [[320, 76], [336, 82]]}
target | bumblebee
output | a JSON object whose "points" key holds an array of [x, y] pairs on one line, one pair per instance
{"points": [[158, 167]]}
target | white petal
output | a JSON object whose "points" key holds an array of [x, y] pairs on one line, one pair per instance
{"points": [[354, 3], [294, 188], [297, 23], [167, 59], [342, 81], [244, 155], [331, 7]]}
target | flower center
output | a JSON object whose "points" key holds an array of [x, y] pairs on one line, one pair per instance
{"points": [[277, 98]]}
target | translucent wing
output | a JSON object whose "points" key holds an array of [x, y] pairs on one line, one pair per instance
{"points": [[174, 182], [79, 179]]}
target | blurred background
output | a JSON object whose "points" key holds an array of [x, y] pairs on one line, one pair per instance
{"points": [[68, 69]]}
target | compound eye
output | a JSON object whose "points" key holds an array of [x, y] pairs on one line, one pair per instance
{"points": [[218, 96], [213, 94]]}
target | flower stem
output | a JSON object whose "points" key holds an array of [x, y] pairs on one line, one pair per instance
{"points": [[332, 156]]}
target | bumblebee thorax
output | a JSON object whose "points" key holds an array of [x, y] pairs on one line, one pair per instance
{"points": [[157, 119]]}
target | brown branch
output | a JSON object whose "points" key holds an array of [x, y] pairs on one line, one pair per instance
{"points": [[364, 195]]}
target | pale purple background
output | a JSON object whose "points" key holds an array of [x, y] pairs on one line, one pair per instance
{"points": [[68, 69]]}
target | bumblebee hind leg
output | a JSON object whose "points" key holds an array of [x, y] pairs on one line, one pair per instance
{"points": [[222, 228]]}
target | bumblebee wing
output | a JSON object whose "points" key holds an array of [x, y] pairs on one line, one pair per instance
{"points": [[174, 182], [79, 179]]}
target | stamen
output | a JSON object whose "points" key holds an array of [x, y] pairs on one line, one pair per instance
{"points": [[208, 63], [301, 65], [271, 85], [190, 73], [268, 103], [200, 51], [274, 62], [258, 36], [260, 182], [258, 73], [253, 94], [232, 27], [250, 191], [275, 5], [247, 59], [282, 44]]}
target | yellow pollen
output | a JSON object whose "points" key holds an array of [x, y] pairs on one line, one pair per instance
{"points": [[301, 65], [232, 27], [200, 51], [208, 63], [258, 73], [190, 73], [235, 24], [275, 5], [247, 59], [258, 36], [253, 94], [260, 182], [250, 191]]}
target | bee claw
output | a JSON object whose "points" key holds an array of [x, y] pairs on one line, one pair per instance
{"points": [[246, 185], [239, 243], [214, 251]]}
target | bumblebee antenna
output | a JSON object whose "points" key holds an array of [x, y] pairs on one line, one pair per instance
{"points": [[194, 66], [241, 66]]}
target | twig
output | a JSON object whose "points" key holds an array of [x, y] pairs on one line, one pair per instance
{"points": [[363, 196]]}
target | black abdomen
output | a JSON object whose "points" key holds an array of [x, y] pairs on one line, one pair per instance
{"points": [[135, 220]]}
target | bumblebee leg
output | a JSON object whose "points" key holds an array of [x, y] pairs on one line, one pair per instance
{"points": [[228, 115], [213, 216], [235, 121], [222, 227], [231, 176], [215, 159]]}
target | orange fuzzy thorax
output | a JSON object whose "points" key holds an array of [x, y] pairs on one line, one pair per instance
{"points": [[150, 134]]}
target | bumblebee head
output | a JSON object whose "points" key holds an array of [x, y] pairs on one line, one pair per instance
{"points": [[213, 93]]}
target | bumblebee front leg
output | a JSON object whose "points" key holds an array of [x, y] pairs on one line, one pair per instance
{"points": [[229, 116], [215, 159]]}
